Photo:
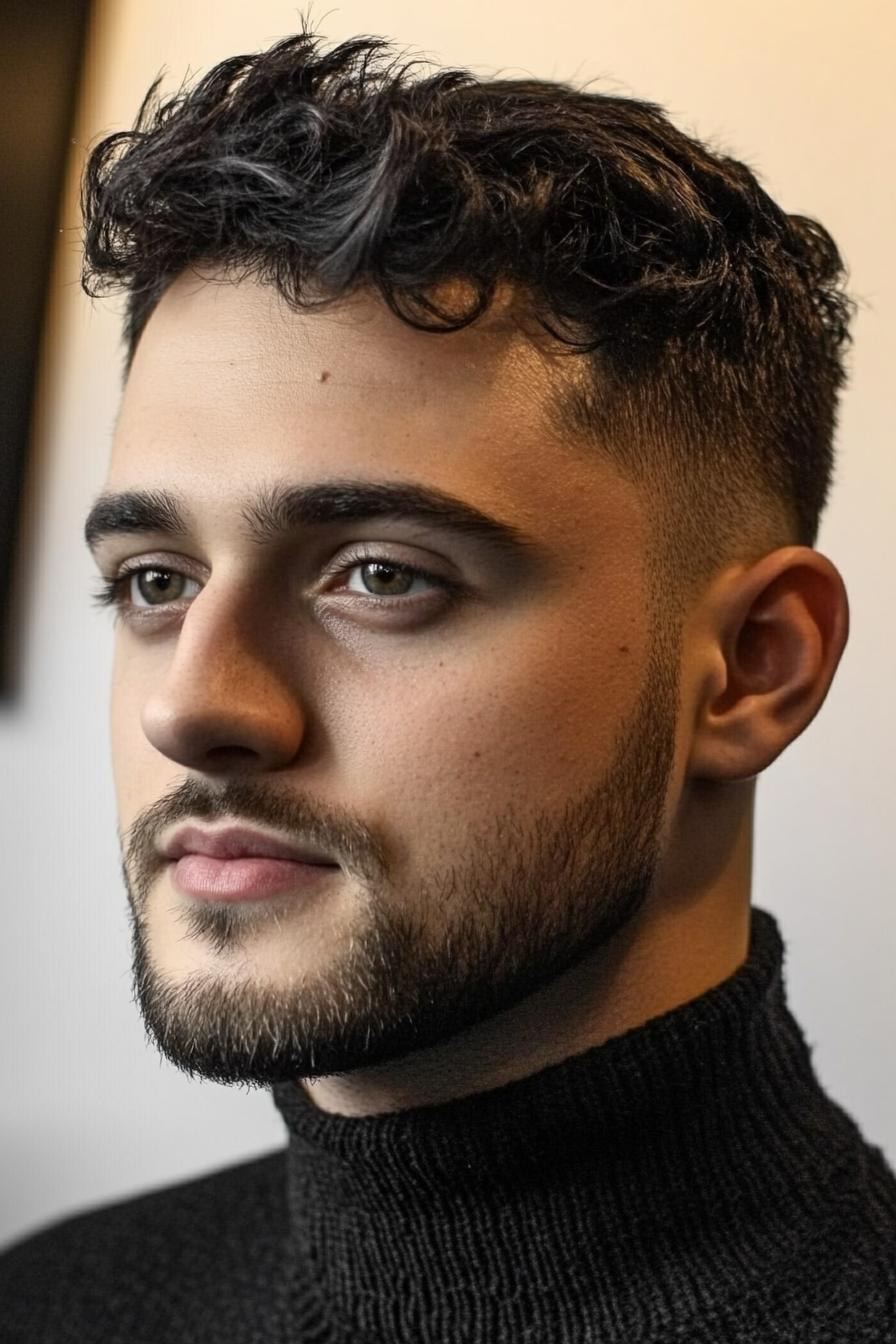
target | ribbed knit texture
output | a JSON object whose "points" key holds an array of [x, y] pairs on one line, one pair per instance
{"points": [[688, 1181]]}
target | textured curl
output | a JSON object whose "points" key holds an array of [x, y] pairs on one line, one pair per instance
{"points": [[716, 322]]}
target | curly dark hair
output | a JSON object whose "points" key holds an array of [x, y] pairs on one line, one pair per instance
{"points": [[710, 325]]}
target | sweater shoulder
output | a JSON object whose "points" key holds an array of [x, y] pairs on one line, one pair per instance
{"points": [[837, 1283], [124, 1268]]}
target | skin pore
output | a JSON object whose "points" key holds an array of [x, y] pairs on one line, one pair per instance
{"points": [[539, 792]]}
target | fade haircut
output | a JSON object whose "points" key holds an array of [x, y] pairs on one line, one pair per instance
{"points": [[709, 326]]}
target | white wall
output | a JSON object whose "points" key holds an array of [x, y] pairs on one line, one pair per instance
{"points": [[804, 93]]}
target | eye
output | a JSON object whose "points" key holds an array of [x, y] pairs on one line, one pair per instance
{"points": [[379, 582], [152, 581], [387, 578], [385, 582]]}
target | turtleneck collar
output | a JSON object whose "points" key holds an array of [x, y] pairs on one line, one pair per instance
{"points": [[601, 1189]]}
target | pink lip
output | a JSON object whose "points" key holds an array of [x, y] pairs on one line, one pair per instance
{"points": [[243, 879], [236, 842]]}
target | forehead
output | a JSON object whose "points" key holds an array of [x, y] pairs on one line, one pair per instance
{"points": [[230, 385], [216, 333]]}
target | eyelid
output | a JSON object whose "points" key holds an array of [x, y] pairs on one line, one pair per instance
{"points": [[179, 565], [346, 558], [363, 551]]}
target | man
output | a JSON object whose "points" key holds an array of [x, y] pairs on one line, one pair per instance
{"points": [[459, 525]]}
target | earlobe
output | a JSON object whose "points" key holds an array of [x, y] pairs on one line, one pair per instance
{"points": [[776, 633]]}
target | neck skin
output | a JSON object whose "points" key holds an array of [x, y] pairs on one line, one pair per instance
{"points": [[691, 934]]}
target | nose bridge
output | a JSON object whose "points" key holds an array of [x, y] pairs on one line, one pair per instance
{"points": [[225, 688], [226, 642]]}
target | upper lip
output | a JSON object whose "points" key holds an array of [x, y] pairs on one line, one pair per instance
{"points": [[237, 842]]}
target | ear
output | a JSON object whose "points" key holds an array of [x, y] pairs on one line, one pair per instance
{"points": [[768, 642]]}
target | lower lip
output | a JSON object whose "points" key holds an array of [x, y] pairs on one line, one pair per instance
{"points": [[243, 879]]}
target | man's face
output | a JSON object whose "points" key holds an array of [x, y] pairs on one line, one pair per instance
{"points": [[493, 765]]}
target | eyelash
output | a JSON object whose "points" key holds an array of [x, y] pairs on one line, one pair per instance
{"points": [[111, 592]]}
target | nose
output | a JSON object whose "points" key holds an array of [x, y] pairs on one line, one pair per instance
{"points": [[226, 701]]}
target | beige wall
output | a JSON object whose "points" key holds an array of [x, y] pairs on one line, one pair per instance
{"points": [[803, 92]]}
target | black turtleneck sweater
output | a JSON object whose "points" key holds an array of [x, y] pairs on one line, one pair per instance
{"points": [[688, 1182]]}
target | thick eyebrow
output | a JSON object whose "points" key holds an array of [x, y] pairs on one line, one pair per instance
{"points": [[282, 509]]}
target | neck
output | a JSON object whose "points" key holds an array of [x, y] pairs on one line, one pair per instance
{"points": [[689, 936]]}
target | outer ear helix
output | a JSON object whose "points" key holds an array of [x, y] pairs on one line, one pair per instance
{"points": [[795, 600]]}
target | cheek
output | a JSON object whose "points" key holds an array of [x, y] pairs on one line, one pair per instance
{"points": [[522, 722]]}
